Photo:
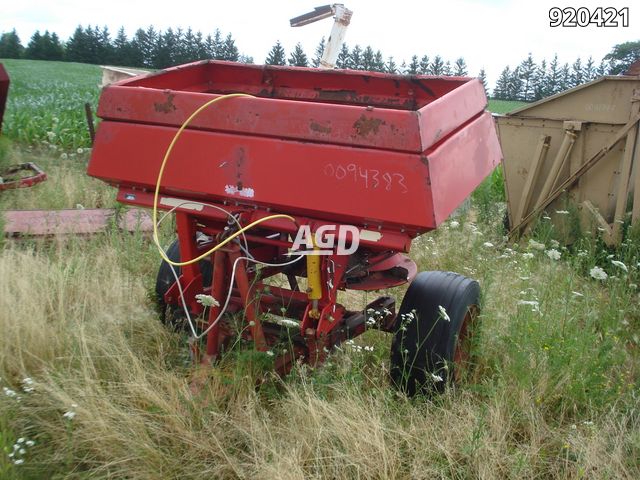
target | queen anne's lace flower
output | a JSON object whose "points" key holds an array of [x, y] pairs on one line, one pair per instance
{"points": [[598, 273]]}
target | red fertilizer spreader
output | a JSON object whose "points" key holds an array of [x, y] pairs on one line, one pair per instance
{"points": [[336, 158]]}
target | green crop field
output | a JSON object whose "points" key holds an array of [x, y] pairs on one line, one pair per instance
{"points": [[93, 386]]}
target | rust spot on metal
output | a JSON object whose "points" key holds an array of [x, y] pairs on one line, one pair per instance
{"points": [[365, 126], [318, 127], [166, 107], [338, 95]]}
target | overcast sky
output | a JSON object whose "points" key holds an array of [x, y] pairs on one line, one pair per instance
{"points": [[487, 33]]}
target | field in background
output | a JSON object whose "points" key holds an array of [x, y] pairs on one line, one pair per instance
{"points": [[93, 386], [46, 102]]}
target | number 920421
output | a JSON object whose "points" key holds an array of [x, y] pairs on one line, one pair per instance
{"points": [[584, 17]]}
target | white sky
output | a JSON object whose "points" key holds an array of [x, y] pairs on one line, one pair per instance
{"points": [[487, 33]]}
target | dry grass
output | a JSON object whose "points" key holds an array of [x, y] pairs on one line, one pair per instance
{"points": [[554, 395]]}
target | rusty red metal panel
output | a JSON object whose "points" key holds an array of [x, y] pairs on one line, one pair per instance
{"points": [[443, 116], [287, 119], [76, 222], [459, 164], [355, 185], [404, 113], [4, 92]]}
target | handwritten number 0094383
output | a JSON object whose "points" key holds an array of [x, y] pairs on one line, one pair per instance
{"points": [[367, 177]]}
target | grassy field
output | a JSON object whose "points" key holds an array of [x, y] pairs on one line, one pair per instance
{"points": [[94, 387]]}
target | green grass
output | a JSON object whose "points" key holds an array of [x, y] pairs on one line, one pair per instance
{"points": [[504, 106], [553, 394], [46, 103]]}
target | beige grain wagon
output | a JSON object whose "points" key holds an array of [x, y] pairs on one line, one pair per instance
{"points": [[579, 149]]}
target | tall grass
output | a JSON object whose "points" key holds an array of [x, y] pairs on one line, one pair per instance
{"points": [[92, 386], [553, 394]]}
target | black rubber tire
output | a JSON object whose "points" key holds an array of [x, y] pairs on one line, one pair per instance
{"points": [[172, 315], [425, 345]]}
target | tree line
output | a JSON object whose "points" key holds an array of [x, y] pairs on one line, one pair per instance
{"points": [[147, 48], [151, 48]]}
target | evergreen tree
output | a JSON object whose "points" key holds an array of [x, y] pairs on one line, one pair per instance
{"points": [[527, 70], [565, 78], [77, 48], [424, 67], [589, 71], [447, 69], [229, 50], [318, 53], [122, 50], [437, 67], [34, 47], [141, 49], [213, 45], [553, 79], [378, 62], [298, 58], [540, 81], [603, 69], [515, 90], [414, 66], [355, 58], [165, 51], [276, 56], [390, 66], [577, 74], [368, 59], [482, 76], [10, 45], [501, 89], [189, 50], [460, 68], [344, 57]]}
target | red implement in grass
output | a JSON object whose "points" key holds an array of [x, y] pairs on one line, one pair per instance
{"points": [[390, 155]]}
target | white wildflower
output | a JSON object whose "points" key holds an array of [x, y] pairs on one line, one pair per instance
{"points": [[51, 136], [22, 451], [19, 461], [406, 351], [527, 255], [553, 254], [598, 273], [443, 313], [436, 378], [206, 300], [620, 265], [64, 156], [454, 224], [562, 212], [270, 353], [69, 415], [534, 304], [8, 392], [487, 244], [30, 443], [20, 440], [536, 245], [581, 253], [546, 217], [633, 286], [80, 151], [554, 243]]}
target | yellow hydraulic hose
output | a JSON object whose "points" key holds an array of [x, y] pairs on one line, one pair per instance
{"points": [[157, 191]]}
